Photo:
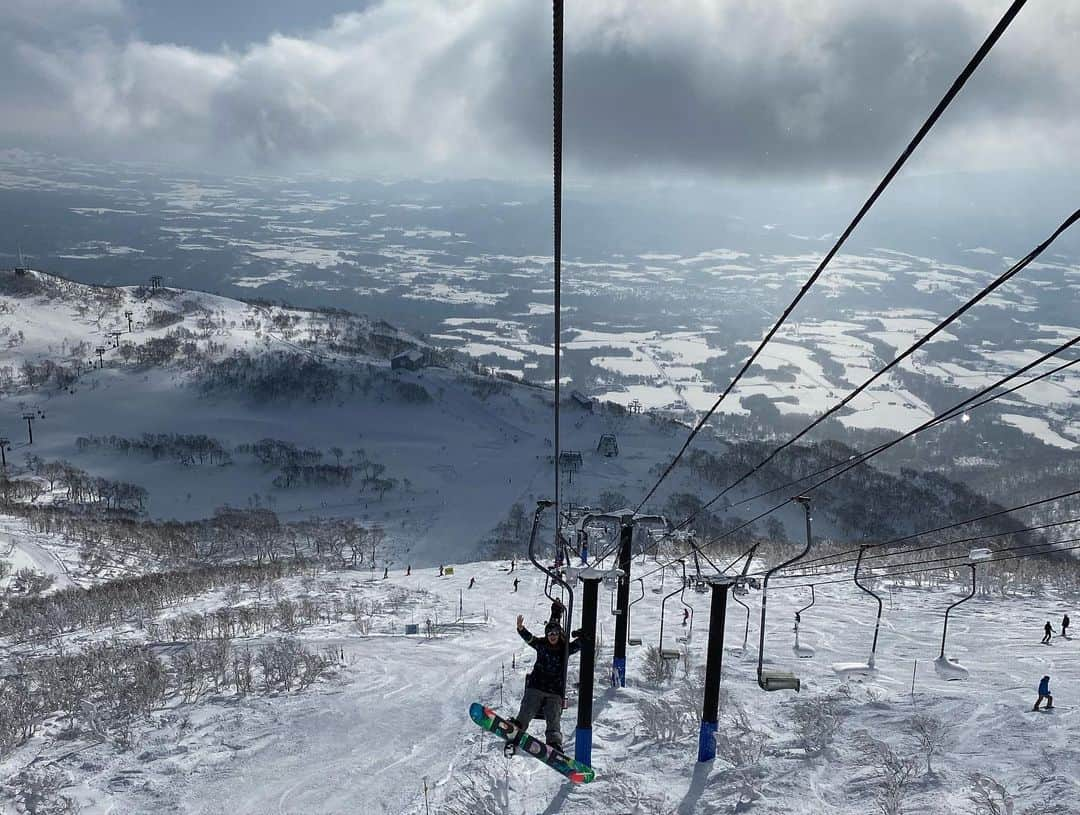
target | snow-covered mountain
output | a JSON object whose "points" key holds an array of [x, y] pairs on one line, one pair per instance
{"points": [[187, 446]]}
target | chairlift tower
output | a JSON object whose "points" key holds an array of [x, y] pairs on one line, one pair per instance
{"points": [[4, 442], [714, 665], [591, 578], [129, 315], [29, 417], [116, 338], [100, 350]]}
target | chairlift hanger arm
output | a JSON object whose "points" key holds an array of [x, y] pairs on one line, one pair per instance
{"points": [[552, 575], [663, 603], [765, 591], [964, 599], [877, 624], [813, 599]]}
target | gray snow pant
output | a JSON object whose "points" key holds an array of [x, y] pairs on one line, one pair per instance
{"points": [[535, 701]]}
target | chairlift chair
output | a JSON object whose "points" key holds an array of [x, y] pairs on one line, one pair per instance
{"points": [[779, 680], [801, 650], [634, 640], [670, 653], [847, 669], [950, 669]]}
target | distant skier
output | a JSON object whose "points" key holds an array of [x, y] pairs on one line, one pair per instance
{"points": [[515, 585], [1047, 631], [1044, 693], [408, 570], [545, 685], [513, 563], [685, 616], [385, 572], [440, 570], [1065, 626], [472, 582]]}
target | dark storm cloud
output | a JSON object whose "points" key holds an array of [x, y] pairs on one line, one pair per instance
{"points": [[775, 89]]}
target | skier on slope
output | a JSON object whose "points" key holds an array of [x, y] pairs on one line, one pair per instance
{"points": [[1065, 626], [1047, 631], [545, 685], [1044, 693]]}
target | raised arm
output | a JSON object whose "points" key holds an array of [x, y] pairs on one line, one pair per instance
{"points": [[523, 632]]}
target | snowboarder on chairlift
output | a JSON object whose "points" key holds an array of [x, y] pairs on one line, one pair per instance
{"points": [[1044, 693], [545, 685], [1065, 626], [1047, 631]]}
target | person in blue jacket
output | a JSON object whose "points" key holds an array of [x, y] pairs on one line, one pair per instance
{"points": [[1044, 693], [545, 685]]}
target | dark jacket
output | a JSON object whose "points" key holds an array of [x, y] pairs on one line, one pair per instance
{"points": [[1044, 686], [548, 674]]}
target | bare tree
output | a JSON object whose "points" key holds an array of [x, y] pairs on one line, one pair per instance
{"points": [[816, 722], [989, 796], [933, 735], [892, 771]]}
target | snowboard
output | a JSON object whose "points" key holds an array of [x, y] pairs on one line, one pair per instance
{"points": [[491, 721]]}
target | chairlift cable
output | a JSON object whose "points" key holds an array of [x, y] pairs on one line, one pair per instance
{"points": [[957, 85], [936, 568], [882, 448], [940, 420], [986, 291], [1015, 269], [948, 415], [929, 547], [557, 103], [987, 516], [973, 539]]}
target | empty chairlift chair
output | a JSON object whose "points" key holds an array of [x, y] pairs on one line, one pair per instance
{"points": [[802, 650], [670, 652], [779, 680], [950, 669], [634, 640], [847, 669]]}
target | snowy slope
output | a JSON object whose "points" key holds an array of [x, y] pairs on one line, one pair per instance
{"points": [[460, 460], [395, 716]]}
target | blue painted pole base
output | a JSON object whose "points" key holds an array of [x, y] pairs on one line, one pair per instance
{"points": [[618, 672], [583, 746], [706, 750]]}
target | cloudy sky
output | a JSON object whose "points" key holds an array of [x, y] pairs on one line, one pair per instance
{"points": [[722, 89]]}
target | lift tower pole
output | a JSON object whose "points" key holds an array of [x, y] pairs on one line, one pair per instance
{"points": [[29, 425], [714, 664], [583, 735], [622, 607]]}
